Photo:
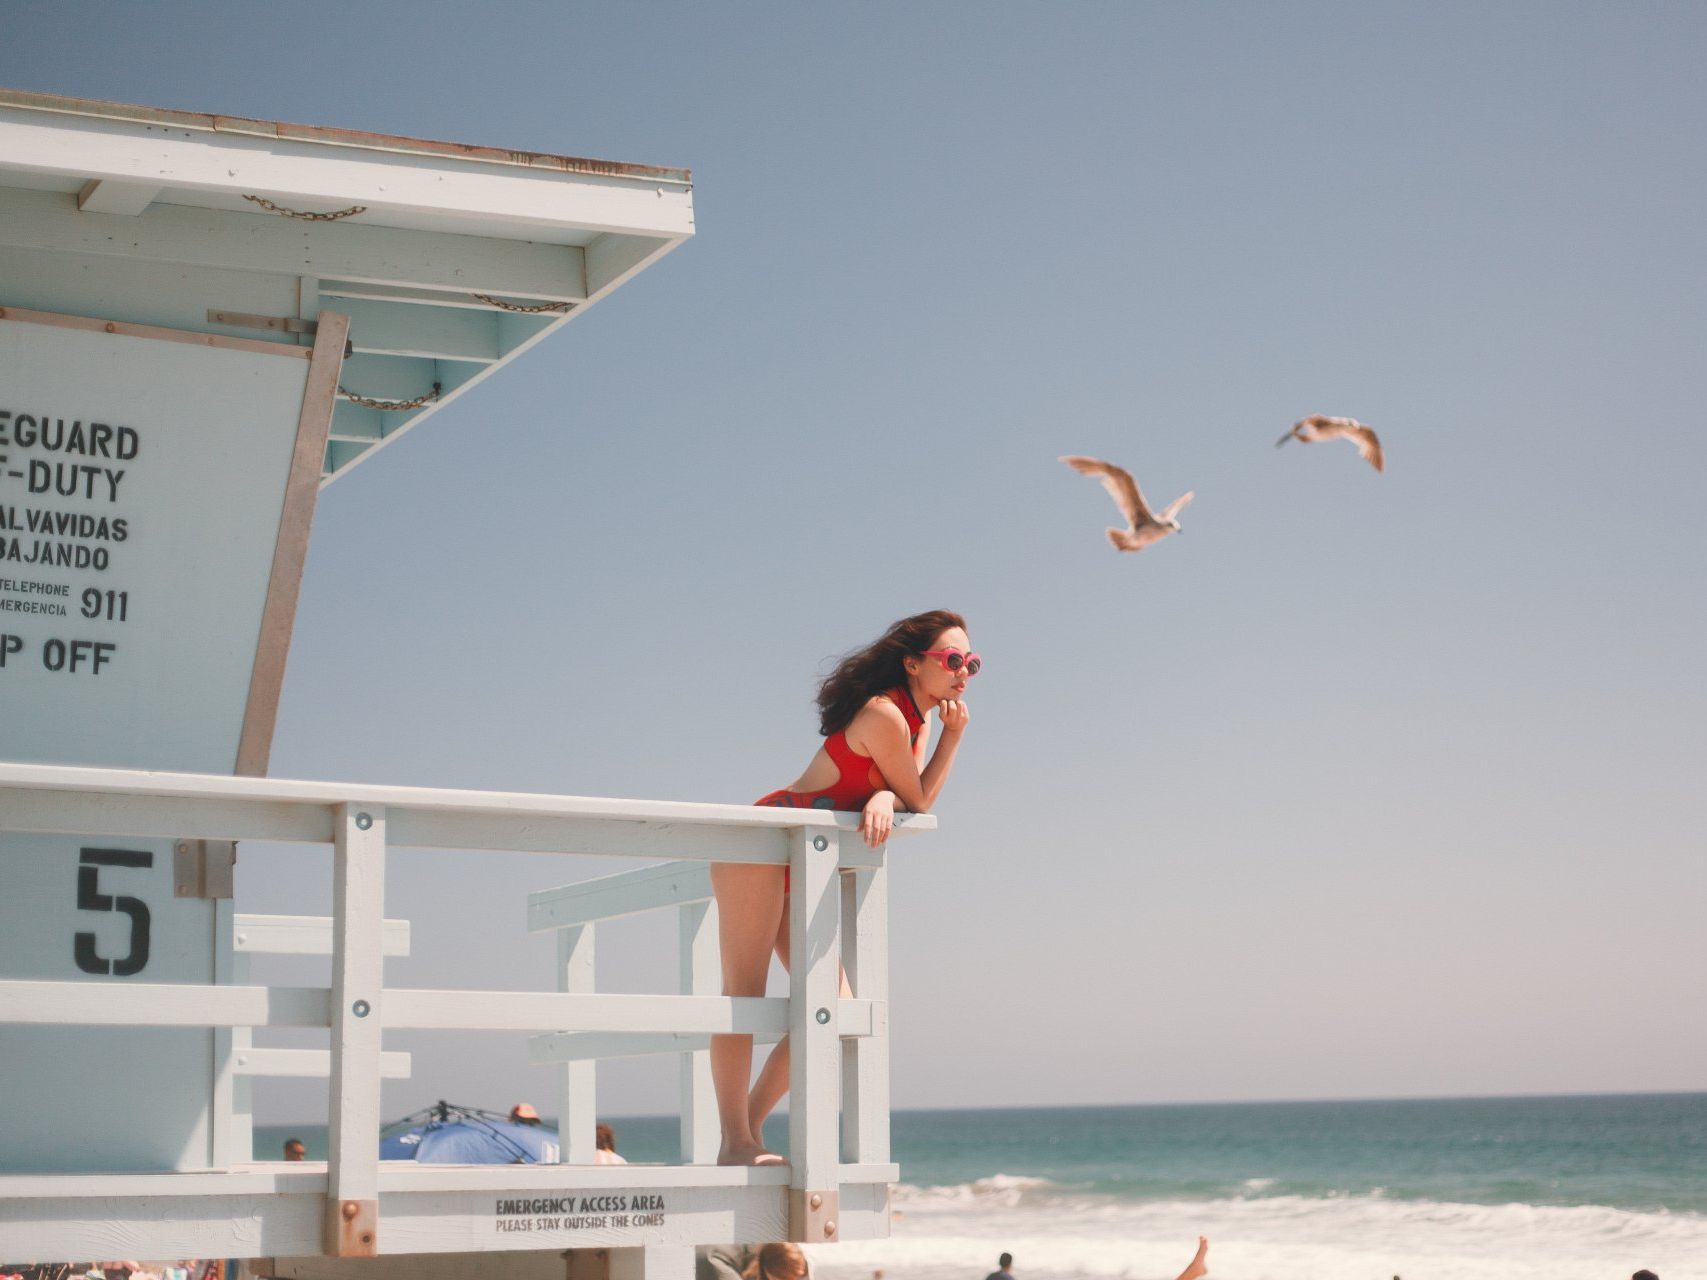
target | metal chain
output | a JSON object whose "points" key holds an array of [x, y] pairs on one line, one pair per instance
{"points": [[270, 207], [390, 406], [490, 301]]}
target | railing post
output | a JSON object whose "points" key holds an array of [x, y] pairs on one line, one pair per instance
{"points": [[578, 1085], [698, 959], [358, 920], [233, 1111], [814, 907], [865, 1061]]}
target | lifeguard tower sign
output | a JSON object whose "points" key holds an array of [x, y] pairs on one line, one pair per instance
{"points": [[155, 492], [203, 321], [143, 480]]}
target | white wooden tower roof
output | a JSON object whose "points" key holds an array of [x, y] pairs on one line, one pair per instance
{"points": [[441, 253]]}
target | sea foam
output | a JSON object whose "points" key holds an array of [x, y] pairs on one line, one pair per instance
{"points": [[1058, 1233]]}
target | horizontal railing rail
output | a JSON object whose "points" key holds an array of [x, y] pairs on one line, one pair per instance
{"points": [[68, 800], [627, 893], [99, 1004]]}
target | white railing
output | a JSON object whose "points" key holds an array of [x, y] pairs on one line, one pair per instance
{"points": [[838, 910], [233, 1122], [573, 911]]}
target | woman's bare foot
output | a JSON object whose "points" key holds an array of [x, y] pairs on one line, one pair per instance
{"points": [[1199, 1265], [748, 1153]]}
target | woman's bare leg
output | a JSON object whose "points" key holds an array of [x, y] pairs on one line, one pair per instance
{"points": [[749, 907], [772, 1083], [1200, 1264]]}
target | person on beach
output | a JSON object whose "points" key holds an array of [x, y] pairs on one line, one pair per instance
{"points": [[1004, 1268], [782, 1261], [524, 1113], [750, 1262], [875, 712], [294, 1150], [604, 1146], [1199, 1265]]}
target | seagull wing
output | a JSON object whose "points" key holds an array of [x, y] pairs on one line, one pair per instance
{"points": [[1178, 504], [1120, 485], [1368, 444]]}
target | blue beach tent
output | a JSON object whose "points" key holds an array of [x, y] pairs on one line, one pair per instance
{"points": [[448, 1134]]}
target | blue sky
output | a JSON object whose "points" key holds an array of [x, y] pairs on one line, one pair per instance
{"points": [[1364, 786]]}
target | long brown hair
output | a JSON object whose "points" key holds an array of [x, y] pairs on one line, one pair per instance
{"points": [[777, 1262], [878, 668]]}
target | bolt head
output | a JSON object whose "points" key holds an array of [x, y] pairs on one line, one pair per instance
{"points": [[817, 1201], [829, 1231], [350, 1209], [823, 1016], [364, 821], [820, 843], [361, 1008]]}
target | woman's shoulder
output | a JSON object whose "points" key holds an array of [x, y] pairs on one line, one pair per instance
{"points": [[884, 706], [879, 714]]}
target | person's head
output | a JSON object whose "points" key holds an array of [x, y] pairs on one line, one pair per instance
{"points": [[1005, 1262], [777, 1262], [294, 1150], [1644, 1274], [523, 1113], [605, 1137], [927, 653]]}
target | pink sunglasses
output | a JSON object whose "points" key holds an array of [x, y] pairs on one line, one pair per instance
{"points": [[954, 660]]}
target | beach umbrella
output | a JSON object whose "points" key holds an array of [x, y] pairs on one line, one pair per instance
{"points": [[447, 1134]]}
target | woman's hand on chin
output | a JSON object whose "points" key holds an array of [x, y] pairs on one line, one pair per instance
{"points": [[954, 714]]}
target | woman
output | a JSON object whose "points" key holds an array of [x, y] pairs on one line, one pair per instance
{"points": [[781, 1261], [875, 713], [751, 1262], [604, 1146]]}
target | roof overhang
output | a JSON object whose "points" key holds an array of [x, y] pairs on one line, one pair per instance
{"points": [[460, 257]]}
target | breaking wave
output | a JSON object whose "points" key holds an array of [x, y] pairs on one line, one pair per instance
{"points": [[1059, 1232]]}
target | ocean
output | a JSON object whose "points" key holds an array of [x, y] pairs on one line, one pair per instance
{"points": [[1565, 1188]]}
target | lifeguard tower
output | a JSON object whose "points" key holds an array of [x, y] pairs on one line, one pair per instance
{"points": [[204, 321]]}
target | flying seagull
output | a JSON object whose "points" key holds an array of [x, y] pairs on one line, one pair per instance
{"points": [[1142, 527], [1319, 426]]}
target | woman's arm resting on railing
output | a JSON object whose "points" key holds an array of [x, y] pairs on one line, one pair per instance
{"points": [[884, 738]]}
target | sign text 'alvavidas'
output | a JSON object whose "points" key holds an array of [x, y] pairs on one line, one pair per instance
{"points": [[46, 460]]}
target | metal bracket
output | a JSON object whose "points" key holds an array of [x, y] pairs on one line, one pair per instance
{"points": [[203, 868], [813, 1216], [274, 324], [278, 324]]}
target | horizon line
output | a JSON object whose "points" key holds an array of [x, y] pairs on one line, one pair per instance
{"points": [[1200, 1102]]}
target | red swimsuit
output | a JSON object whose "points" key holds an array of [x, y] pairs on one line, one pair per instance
{"points": [[860, 779]]}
